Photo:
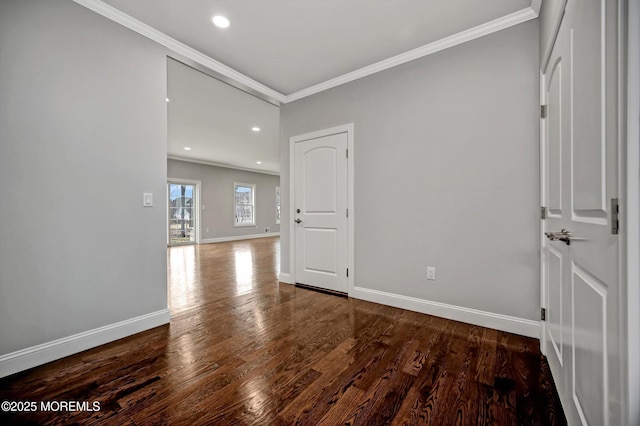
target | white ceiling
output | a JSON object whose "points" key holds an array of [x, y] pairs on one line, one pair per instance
{"points": [[215, 121], [289, 45], [283, 50]]}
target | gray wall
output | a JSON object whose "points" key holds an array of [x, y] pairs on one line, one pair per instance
{"points": [[446, 173], [217, 195], [82, 136]]}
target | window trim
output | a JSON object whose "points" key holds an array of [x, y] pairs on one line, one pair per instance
{"points": [[253, 203]]}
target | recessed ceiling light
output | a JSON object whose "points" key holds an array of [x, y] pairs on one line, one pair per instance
{"points": [[167, 99], [220, 21], [255, 129], [187, 148], [258, 162]]}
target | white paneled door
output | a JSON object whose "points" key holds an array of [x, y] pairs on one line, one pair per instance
{"points": [[320, 212], [581, 282]]}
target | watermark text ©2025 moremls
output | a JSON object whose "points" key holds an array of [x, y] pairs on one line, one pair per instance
{"points": [[48, 406]]}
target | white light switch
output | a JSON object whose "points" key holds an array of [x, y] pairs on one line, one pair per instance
{"points": [[147, 199], [431, 273]]}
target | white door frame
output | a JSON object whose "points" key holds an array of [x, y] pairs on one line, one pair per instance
{"points": [[196, 184], [631, 209], [543, 197], [556, 20], [348, 129]]}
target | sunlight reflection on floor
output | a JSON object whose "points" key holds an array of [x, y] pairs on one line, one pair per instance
{"points": [[184, 277], [245, 270], [210, 273]]}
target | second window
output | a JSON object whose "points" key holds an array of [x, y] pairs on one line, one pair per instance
{"points": [[244, 204]]}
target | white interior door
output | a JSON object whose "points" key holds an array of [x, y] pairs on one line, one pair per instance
{"points": [[581, 283], [320, 212]]}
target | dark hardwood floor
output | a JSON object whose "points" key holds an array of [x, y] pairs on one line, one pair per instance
{"points": [[243, 349]]}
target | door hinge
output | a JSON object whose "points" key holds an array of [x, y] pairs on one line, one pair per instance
{"points": [[347, 152], [543, 212], [543, 314], [615, 212], [347, 212], [543, 111], [347, 272]]}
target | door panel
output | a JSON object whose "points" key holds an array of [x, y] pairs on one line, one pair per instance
{"points": [[321, 248], [555, 319], [588, 141], [320, 205], [319, 185], [554, 141], [589, 350], [581, 283]]}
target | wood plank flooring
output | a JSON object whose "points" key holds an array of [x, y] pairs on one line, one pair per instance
{"points": [[243, 349]]}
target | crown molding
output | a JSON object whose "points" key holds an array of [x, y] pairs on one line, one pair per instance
{"points": [[145, 30], [536, 5], [226, 166], [428, 49], [194, 58]]}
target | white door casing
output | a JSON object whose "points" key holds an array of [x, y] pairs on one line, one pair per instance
{"points": [[631, 213], [322, 209], [580, 175]]}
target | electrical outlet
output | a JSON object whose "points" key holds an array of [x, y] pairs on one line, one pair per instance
{"points": [[267, 229], [431, 273]]}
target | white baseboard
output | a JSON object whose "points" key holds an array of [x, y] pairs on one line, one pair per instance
{"points": [[56, 349], [239, 238], [521, 326], [285, 278]]}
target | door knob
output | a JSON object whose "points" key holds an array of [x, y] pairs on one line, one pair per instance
{"points": [[563, 235], [298, 221]]}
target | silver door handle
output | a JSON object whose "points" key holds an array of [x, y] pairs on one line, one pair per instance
{"points": [[563, 235], [297, 220]]}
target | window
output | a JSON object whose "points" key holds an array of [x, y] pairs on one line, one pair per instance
{"points": [[277, 205], [244, 194]]}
